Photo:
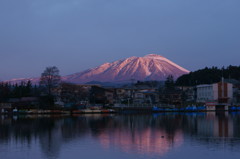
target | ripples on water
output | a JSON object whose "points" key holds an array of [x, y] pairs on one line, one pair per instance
{"points": [[171, 135]]}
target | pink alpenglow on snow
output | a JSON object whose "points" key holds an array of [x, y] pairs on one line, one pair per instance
{"points": [[149, 67]]}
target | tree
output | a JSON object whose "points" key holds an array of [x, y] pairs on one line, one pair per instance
{"points": [[50, 79], [169, 83], [209, 76], [28, 89]]}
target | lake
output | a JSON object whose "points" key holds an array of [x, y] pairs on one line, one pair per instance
{"points": [[128, 136]]}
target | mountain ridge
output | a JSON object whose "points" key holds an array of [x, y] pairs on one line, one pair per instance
{"points": [[146, 68], [149, 67]]}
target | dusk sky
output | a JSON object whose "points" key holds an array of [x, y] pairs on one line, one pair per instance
{"points": [[75, 35]]}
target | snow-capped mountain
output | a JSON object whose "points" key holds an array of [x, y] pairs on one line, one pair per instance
{"points": [[19, 80], [149, 67]]}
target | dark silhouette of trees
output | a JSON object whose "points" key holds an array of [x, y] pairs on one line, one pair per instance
{"points": [[169, 83], [24, 89], [5, 91], [50, 79], [209, 76]]}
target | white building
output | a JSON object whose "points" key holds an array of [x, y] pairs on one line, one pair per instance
{"points": [[205, 93], [217, 92]]}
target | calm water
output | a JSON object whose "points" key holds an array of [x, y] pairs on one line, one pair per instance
{"points": [[165, 136]]}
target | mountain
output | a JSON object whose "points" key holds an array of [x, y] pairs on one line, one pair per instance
{"points": [[19, 80], [149, 67]]}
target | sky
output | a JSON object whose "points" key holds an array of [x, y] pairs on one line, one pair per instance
{"points": [[75, 35]]}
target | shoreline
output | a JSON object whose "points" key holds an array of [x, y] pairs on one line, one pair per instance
{"points": [[107, 111]]}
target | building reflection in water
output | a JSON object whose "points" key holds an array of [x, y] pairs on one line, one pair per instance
{"points": [[216, 125], [142, 134]]}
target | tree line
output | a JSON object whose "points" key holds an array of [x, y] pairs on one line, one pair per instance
{"points": [[24, 89], [209, 76], [49, 80]]}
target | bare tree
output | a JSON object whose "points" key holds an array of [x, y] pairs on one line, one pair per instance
{"points": [[50, 79]]}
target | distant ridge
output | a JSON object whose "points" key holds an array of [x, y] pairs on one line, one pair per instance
{"points": [[149, 67]]}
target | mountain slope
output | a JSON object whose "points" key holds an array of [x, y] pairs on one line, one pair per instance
{"points": [[149, 67]]}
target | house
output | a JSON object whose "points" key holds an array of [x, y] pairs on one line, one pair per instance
{"points": [[5, 107], [136, 94], [171, 97], [122, 94], [100, 95], [189, 93], [145, 97], [68, 94], [24, 102]]}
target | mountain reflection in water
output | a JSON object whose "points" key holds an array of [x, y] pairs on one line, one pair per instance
{"points": [[149, 135]]}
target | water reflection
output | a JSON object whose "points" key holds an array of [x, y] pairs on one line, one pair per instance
{"points": [[149, 141], [156, 134]]}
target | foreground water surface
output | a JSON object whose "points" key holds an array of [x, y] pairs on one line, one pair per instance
{"points": [[165, 136]]}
